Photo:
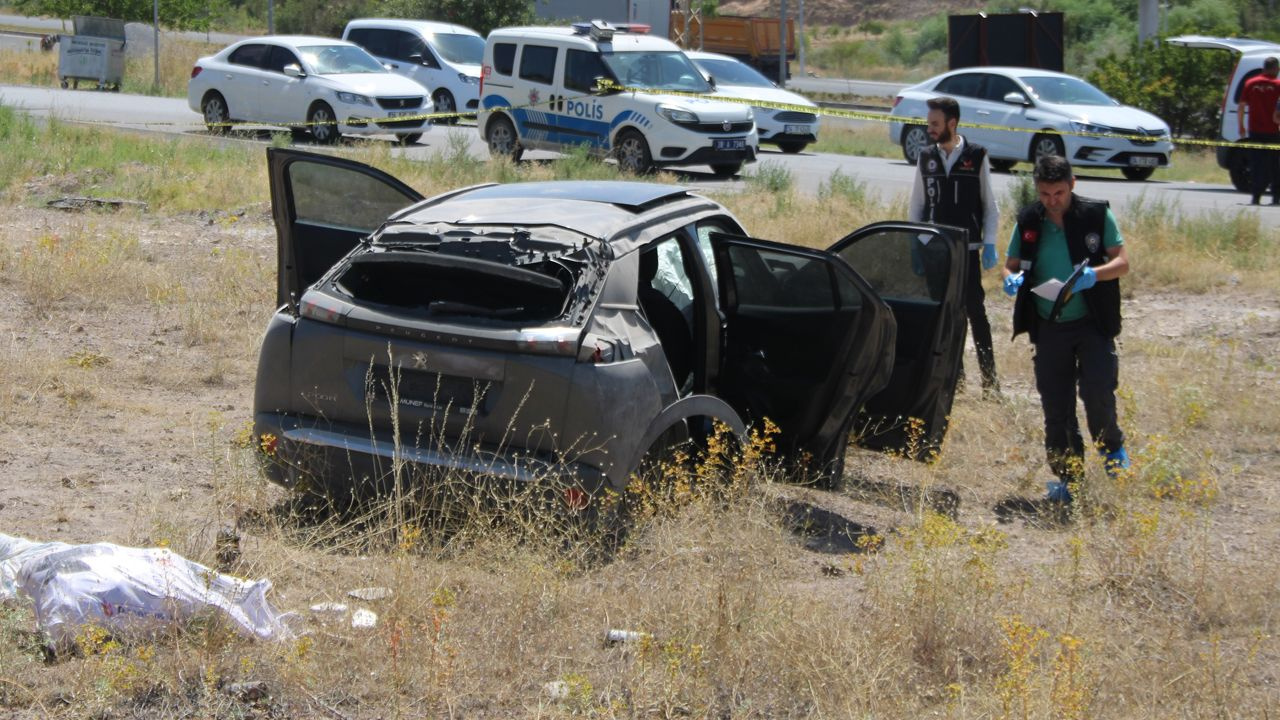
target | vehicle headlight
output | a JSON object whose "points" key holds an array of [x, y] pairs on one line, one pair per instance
{"points": [[1082, 127], [751, 113], [466, 79], [354, 99], [680, 116]]}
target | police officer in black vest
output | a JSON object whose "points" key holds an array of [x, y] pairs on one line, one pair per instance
{"points": [[1058, 237], [953, 187]]}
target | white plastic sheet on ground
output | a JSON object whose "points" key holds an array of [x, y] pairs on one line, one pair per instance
{"points": [[128, 591]]}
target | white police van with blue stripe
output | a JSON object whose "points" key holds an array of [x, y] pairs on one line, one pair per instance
{"points": [[548, 88]]}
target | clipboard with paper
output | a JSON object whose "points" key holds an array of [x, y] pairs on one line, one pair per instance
{"points": [[1059, 291]]}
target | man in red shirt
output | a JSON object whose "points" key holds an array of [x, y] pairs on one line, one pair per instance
{"points": [[1260, 95]]}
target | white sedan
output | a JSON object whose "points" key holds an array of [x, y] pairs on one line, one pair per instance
{"points": [[1092, 129], [790, 128], [326, 86]]}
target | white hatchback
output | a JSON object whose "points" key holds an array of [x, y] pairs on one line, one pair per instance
{"points": [[791, 128], [326, 86], [1024, 113]]}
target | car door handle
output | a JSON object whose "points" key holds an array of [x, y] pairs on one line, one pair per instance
{"points": [[393, 66], [266, 82]]}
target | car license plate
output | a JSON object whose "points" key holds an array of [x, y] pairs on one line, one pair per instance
{"points": [[401, 113], [730, 144], [795, 129], [1144, 161]]}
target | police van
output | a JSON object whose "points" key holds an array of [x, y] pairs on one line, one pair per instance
{"points": [[616, 90], [443, 58], [1252, 53]]}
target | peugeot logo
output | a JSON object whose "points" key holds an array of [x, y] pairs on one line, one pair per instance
{"points": [[727, 125]]}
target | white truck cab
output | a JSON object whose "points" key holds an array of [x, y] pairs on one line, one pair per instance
{"points": [[443, 58], [1252, 54], [551, 88]]}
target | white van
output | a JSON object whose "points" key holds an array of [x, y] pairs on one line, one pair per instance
{"points": [[552, 88], [1252, 54], [443, 58]]}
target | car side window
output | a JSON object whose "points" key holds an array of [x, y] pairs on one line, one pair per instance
{"points": [[705, 230], [581, 68], [369, 39], [279, 58], [998, 86], [902, 265], [340, 197], [671, 279], [410, 44], [1247, 77], [252, 55], [538, 64], [504, 58], [965, 85]]}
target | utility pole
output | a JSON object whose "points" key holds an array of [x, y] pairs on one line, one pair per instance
{"points": [[782, 46], [271, 17], [1148, 19], [155, 17], [800, 40]]}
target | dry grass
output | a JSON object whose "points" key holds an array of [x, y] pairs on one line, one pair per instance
{"points": [[126, 378], [176, 59]]}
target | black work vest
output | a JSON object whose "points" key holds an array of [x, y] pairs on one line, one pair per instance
{"points": [[954, 199], [1085, 224]]}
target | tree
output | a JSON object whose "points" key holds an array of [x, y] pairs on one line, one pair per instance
{"points": [[1183, 86], [182, 14], [479, 16]]}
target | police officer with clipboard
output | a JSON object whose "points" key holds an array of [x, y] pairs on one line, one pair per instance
{"points": [[953, 187], [1066, 258]]}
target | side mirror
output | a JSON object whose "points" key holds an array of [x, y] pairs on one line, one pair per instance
{"points": [[603, 86], [1017, 98], [711, 80], [294, 71], [416, 57]]}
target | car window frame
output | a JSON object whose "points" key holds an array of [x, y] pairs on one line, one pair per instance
{"points": [[978, 95], [540, 50], [264, 50], [499, 62]]}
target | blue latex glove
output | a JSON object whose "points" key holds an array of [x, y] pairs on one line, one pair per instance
{"points": [[1086, 280], [989, 258], [1012, 283]]}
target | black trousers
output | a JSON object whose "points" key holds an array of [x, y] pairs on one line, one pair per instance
{"points": [[975, 306], [1075, 356], [1264, 167]]}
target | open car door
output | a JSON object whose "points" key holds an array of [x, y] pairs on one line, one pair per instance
{"points": [[918, 270], [805, 342], [323, 207]]}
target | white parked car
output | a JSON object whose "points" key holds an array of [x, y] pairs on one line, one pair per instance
{"points": [[441, 57], [1033, 103], [790, 129], [327, 86]]}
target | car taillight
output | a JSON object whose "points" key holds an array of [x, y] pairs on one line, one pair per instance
{"points": [[195, 70], [897, 100], [484, 73]]}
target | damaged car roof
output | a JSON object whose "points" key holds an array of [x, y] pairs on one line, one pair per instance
{"points": [[599, 210]]}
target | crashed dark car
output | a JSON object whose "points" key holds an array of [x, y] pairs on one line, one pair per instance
{"points": [[568, 329]]}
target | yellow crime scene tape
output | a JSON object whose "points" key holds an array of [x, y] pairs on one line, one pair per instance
{"points": [[865, 115]]}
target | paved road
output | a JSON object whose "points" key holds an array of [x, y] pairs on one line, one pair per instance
{"points": [[844, 86], [887, 178]]}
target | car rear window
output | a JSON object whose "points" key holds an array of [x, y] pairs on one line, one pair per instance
{"points": [[460, 288], [538, 64], [504, 58]]}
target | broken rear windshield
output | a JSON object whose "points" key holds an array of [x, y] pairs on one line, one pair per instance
{"points": [[489, 282]]}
